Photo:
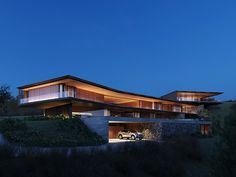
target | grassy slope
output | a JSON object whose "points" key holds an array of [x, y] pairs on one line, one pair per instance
{"points": [[46, 127], [56, 132]]}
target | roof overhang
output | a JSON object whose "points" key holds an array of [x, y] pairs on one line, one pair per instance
{"points": [[199, 93]]}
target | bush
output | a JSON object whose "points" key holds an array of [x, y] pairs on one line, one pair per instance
{"points": [[38, 118], [12, 125], [35, 118], [223, 161], [6, 152], [187, 146], [142, 159]]}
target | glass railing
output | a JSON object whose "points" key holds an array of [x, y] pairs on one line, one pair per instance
{"points": [[208, 99], [40, 98], [44, 97], [51, 96], [196, 99], [187, 99]]}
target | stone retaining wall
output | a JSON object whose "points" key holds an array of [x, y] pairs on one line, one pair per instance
{"points": [[169, 129]]}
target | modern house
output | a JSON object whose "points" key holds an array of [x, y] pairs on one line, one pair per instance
{"points": [[107, 110]]}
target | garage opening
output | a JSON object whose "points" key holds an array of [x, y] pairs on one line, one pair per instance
{"points": [[124, 131]]}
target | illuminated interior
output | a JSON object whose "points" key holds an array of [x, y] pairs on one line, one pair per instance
{"points": [[188, 96], [67, 88]]}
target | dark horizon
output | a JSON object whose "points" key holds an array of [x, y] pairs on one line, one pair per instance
{"points": [[150, 48]]}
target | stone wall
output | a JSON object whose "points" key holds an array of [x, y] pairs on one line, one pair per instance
{"points": [[169, 129], [98, 125]]}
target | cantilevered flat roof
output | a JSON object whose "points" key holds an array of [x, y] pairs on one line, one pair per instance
{"points": [[202, 93]]}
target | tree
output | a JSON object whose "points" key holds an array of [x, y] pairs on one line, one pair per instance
{"points": [[5, 97], [223, 163]]}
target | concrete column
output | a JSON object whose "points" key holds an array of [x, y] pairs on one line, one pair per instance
{"points": [[107, 112], [61, 90], [153, 105], [44, 112], [69, 110], [137, 114]]}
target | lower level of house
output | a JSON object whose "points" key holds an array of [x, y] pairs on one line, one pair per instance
{"points": [[155, 125], [108, 120], [91, 109], [152, 128]]}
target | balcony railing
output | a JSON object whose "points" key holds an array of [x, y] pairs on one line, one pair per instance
{"points": [[196, 99], [55, 95], [208, 99], [39, 98], [49, 96]]}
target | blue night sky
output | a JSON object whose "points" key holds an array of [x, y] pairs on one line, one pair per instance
{"points": [[150, 47]]}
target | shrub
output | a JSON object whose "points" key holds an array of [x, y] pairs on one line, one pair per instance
{"points": [[142, 159], [6, 152], [12, 125], [187, 146], [223, 161], [35, 118]]}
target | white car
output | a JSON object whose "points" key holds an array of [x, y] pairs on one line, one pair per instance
{"points": [[130, 134]]}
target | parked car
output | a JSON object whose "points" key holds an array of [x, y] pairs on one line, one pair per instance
{"points": [[130, 134]]}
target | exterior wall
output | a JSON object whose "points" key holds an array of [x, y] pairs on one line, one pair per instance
{"points": [[102, 112], [131, 104], [113, 130], [146, 104], [167, 107], [170, 129], [98, 125], [87, 95]]}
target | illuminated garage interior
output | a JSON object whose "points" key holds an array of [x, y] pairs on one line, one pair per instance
{"points": [[148, 129]]}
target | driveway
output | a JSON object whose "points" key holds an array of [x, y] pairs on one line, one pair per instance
{"points": [[116, 140]]}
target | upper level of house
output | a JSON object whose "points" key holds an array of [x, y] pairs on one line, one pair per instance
{"points": [[192, 97], [70, 87]]}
